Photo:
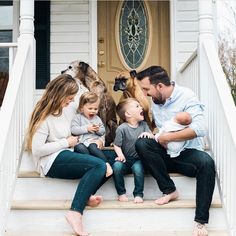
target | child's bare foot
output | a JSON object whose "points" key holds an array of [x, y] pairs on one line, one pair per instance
{"points": [[167, 198], [138, 199], [94, 200], [200, 230], [75, 221], [123, 198], [109, 170]]}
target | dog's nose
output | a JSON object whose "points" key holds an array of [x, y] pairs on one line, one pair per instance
{"points": [[63, 71], [115, 88]]}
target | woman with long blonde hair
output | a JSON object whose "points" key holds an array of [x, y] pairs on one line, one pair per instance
{"points": [[50, 141]]}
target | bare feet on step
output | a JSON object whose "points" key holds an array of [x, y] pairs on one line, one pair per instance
{"points": [[167, 198], [138, 199], [200, 230], [123, 198], [94, 201], [109, 170], [74, 219]]}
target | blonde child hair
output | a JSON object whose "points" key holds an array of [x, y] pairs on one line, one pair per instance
{"points": [[121, 107], [87, 97]]}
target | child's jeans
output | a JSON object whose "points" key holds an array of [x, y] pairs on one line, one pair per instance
{"points": [[132, 165]]}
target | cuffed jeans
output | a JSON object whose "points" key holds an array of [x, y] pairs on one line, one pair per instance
{"points": [[89, 169], [132, 165], [190, 162]]}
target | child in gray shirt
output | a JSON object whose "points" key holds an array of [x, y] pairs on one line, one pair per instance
{"points": [[88, 125], [127, 159]]}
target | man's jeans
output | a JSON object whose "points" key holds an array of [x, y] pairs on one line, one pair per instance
{"points": [[132, 165], [190, 162]]}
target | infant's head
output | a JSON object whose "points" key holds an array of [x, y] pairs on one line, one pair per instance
{"points": [[183, 118]]}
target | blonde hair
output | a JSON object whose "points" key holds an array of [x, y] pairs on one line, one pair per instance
{"points": [[121, 108], [50, 103], [87, 97]]}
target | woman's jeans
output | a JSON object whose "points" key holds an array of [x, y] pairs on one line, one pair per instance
{"points": [[92, 149], [89, 169], [132, 165], [190, 162]]}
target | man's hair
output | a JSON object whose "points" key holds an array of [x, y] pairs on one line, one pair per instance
{"points": [[121, 108], [156, 75]]}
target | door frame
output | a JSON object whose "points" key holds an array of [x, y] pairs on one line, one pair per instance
{"points": [[94, 36]]}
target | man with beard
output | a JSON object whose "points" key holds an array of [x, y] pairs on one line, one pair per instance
{"points": [[167, 100]]}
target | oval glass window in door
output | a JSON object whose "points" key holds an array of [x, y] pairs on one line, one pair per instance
{"points": [[133, 32]]}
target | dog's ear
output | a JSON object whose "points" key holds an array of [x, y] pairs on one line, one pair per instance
{"points": [[83, 66], [133, 74]]}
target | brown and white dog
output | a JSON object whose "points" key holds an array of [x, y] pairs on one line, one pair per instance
{"points": [[88, 79], [127, 82]]}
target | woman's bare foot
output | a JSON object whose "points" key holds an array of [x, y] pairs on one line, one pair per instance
{"points": [[138, 199], [109, 170], [200, 230], [94, 200], [75, 221], [123, 198], [167, 198]]}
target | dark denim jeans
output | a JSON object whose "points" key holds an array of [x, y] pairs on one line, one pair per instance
{"points": [[132, 165], [89, 169], [92, 149], [190, 162]]}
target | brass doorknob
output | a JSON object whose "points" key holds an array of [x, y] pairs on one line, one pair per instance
{"points": [[101, 64]]}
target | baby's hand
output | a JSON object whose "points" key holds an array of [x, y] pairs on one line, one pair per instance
{"points": [[146, 135], [93, 128], [72, 140], [120, 158]]}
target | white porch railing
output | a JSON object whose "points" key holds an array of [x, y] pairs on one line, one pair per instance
{"points": [[13, 119], [12, 50], [220, 112], [188, 74]]}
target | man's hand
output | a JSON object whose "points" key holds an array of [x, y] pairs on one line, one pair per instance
{"points": [[164, 139]]}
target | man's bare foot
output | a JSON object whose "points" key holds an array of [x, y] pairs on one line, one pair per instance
{"points": [[167, 198], [138, 199], [123, 198], [74, 219], [200, 230], [94, 200], [109, 170]]}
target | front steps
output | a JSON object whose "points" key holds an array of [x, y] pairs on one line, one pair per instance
{"points": [[40, 204]]}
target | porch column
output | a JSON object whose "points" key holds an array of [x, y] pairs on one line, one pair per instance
{"points": [[27, 37], [206, 34], [27, 18]]}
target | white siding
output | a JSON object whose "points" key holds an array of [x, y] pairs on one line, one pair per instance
{"points": [[185, 29], [70, 33]]}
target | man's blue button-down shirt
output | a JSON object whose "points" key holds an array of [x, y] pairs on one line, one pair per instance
{"points": [[183, 99]]}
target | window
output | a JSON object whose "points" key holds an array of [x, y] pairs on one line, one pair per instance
{"points": [[6, 25]]}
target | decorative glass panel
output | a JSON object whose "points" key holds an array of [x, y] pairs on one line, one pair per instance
{"points": [[133, 32]]}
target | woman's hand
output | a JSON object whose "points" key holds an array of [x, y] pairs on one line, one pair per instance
{"points": [[72, 140], [99, 143], [120, 158]]}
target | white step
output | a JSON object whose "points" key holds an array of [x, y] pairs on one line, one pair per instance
{"points": [[35, 188], [119, 217], [144, 233]]}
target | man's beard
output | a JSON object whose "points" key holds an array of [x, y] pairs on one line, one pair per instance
{"points": [[158, 100]]}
